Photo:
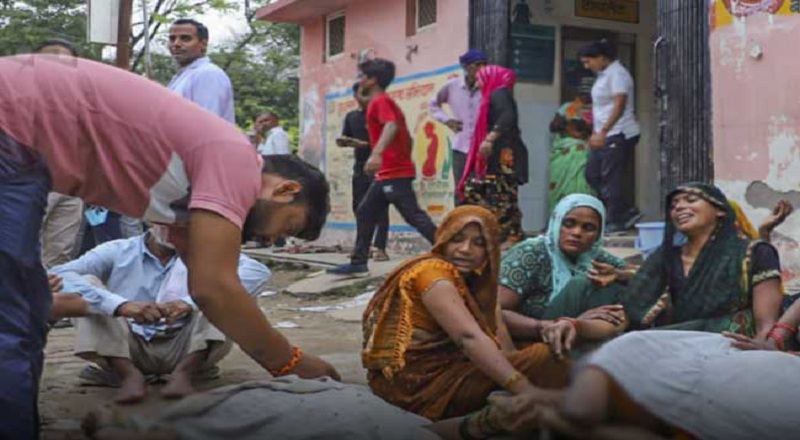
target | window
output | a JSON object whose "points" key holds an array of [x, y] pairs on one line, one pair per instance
{"points": [[426, 13], [334, 35], [419, 15]]}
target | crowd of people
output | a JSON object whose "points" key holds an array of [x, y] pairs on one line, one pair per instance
{"points": [[487, 334]]}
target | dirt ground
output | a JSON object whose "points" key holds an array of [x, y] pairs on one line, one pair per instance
{"points": [[63, 401]]}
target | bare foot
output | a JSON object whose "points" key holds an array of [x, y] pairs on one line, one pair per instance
{"points": [[133, 389], [178, 386]]}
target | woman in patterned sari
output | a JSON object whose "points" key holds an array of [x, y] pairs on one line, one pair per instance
{"points": [[706, 276], [545, 278], [498, 159], [434, 342], [571, 128]]}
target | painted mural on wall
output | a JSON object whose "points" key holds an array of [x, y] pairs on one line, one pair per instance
{"points": [[724, 12], [757, 113], [432, 148]]}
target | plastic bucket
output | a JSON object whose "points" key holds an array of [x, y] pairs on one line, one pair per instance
{"points": [[650, 237]]}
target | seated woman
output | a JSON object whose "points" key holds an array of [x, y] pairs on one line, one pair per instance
{"points": [[705, 276], [571, 128], [534, 273], [433, 330]]}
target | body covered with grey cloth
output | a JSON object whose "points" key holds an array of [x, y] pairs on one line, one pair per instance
{"points": [[698, 382], [288, 408]]}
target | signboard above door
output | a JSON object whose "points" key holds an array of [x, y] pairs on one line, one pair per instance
{"points": [[626, 11]]}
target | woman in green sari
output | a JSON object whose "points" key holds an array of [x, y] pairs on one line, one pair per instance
{"points": [[705, 276], [571, 128], [535, 272]]}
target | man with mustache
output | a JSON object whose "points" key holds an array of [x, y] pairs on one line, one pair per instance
{"points": [[198, 79]]}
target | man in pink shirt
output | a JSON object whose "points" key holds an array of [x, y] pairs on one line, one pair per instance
{"points": [[125, 143]]}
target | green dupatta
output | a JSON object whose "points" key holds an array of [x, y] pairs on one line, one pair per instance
{"points": [[717, 293]]}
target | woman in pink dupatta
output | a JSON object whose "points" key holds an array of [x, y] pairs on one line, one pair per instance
{"points": [[498, 159]]}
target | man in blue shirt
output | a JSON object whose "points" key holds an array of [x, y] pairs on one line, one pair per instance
{"points": [[135, 316], [198, 79]]}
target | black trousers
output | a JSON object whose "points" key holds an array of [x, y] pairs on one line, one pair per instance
{"points": [[361, 184], [380, 195], [605, 172], [459, 163]]}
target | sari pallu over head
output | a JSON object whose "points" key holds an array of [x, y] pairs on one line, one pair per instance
{"points": [[491, 78], [717, 293], [387, 322], [564, 267]]}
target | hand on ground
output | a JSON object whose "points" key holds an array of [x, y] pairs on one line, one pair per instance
{"points": [[312, 367]]}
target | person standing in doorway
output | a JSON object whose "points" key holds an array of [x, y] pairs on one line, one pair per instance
{"points": [[391, 163], [198, 79], [464, 99], [356, 136], [616, 132], [271, 137]]}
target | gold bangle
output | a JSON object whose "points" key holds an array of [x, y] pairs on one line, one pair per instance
{"points": [[512, 379]]}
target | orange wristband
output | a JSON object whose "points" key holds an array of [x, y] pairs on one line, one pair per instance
{"points": [[286, 369]]}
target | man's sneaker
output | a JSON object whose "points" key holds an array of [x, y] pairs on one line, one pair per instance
{"points": [[350, 270]]}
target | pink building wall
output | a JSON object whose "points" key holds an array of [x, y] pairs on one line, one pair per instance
{"points": [[424, 61], [378, 29], [756, 112]]}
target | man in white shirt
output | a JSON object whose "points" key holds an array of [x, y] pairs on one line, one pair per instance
{"points": [[616, 132], [270, 136], [135, 317], [198, 79]]}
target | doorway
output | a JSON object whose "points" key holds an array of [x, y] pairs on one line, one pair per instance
{"points": [[572, 72]]}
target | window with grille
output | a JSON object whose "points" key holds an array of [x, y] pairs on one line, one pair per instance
{"points": [[426, 13], [334, 38]]}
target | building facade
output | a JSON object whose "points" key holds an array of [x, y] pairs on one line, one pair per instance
{"points": [[756, 112], [539, 38]]}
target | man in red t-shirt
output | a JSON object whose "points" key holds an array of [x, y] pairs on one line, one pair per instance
{"points": [[120, 141], [390, 161]]}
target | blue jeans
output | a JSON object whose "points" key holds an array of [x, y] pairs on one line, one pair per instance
{"points": [[25, 297]]}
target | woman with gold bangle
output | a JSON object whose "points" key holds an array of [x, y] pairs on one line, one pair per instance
{"points": [[435, 344]]}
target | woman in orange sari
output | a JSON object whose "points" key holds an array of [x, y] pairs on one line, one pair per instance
{"points": [[434, 342]]}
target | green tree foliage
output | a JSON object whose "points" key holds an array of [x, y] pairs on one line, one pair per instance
{"points": [[262, 60], [23, 25]]}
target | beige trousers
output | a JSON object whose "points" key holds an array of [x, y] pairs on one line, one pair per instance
{"points": [[60, 227], [101, 337]]}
